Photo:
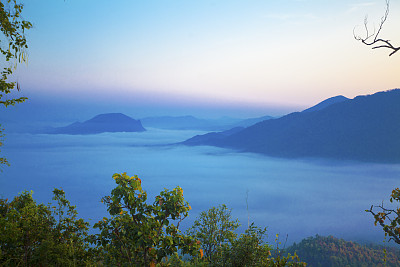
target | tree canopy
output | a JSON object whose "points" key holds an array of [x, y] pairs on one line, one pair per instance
{"points": [[13, 45], [138, 233]]}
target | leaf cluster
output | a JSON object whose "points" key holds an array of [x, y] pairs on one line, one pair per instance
{"points": [[389, 219], [42, 235], [139, 233], [247, 250], [215, 229], [13, 45]]}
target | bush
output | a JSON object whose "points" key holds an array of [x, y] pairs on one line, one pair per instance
{"points": [[38, 235], [214, 228], [139, 233]]}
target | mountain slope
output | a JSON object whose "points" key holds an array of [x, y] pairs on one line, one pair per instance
{"points": [[365, 128], [251, 121], [331, 251], [110, 122], [212, 137], [326, 103]]}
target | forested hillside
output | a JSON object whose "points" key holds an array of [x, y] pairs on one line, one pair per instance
{"points": [[331, 251]]}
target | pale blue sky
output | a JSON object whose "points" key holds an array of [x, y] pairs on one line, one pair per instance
{"points": [[248, 53]]}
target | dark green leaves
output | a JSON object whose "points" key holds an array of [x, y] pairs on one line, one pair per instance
{"points": [[12, 49], [139, 233]]}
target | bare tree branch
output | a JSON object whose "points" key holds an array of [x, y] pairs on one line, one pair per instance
{"points": [[374, 39]]}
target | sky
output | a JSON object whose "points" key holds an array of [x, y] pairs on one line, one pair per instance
{"points": [[265, 56]]}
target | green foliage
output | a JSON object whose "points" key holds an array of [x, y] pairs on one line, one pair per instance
{"points": [[222, 247], [331, 251], [392, 216], [12, 46], [247, 250], [139, 233], [250, 249], [38, 235], [12, 49], [279, 259], [2, 160], [214, 228]]}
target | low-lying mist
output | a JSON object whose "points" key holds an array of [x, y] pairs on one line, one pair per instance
{"points": [[300, 198]]}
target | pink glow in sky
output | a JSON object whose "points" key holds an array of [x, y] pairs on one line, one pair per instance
{"points": [[291, 52]]}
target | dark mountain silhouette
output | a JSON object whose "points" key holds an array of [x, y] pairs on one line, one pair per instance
{"points": [[366, 128], [110, 122], [326, 103]]}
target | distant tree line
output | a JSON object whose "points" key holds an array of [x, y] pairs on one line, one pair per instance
{"points": [[331, 251]]}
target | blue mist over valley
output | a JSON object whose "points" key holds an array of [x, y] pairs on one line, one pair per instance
{"points": [[294, 197]]}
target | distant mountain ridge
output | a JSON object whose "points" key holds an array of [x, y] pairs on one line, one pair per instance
{"points": [[118, 122], [183, 123], [109, 122], [193, 123], [252, 121], [366, 128]]}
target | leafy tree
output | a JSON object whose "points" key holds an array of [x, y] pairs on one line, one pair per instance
{"points": [[389, 219], [247, 250], [12, 49], [139, 233], [250, 249], [12, 46], [214, 228], [72, 232], [24, 226], [38, 235]]}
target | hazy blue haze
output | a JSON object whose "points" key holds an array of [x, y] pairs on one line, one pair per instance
{"points": [[297, 197]]}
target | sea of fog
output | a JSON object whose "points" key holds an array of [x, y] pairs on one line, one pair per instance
{"points": [[298, 198]]}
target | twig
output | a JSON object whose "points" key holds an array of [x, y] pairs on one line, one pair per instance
{"points": [[377, 42]]}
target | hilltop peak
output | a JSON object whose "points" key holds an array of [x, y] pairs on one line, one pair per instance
{"points": [[327, 103], [108, 122]]}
